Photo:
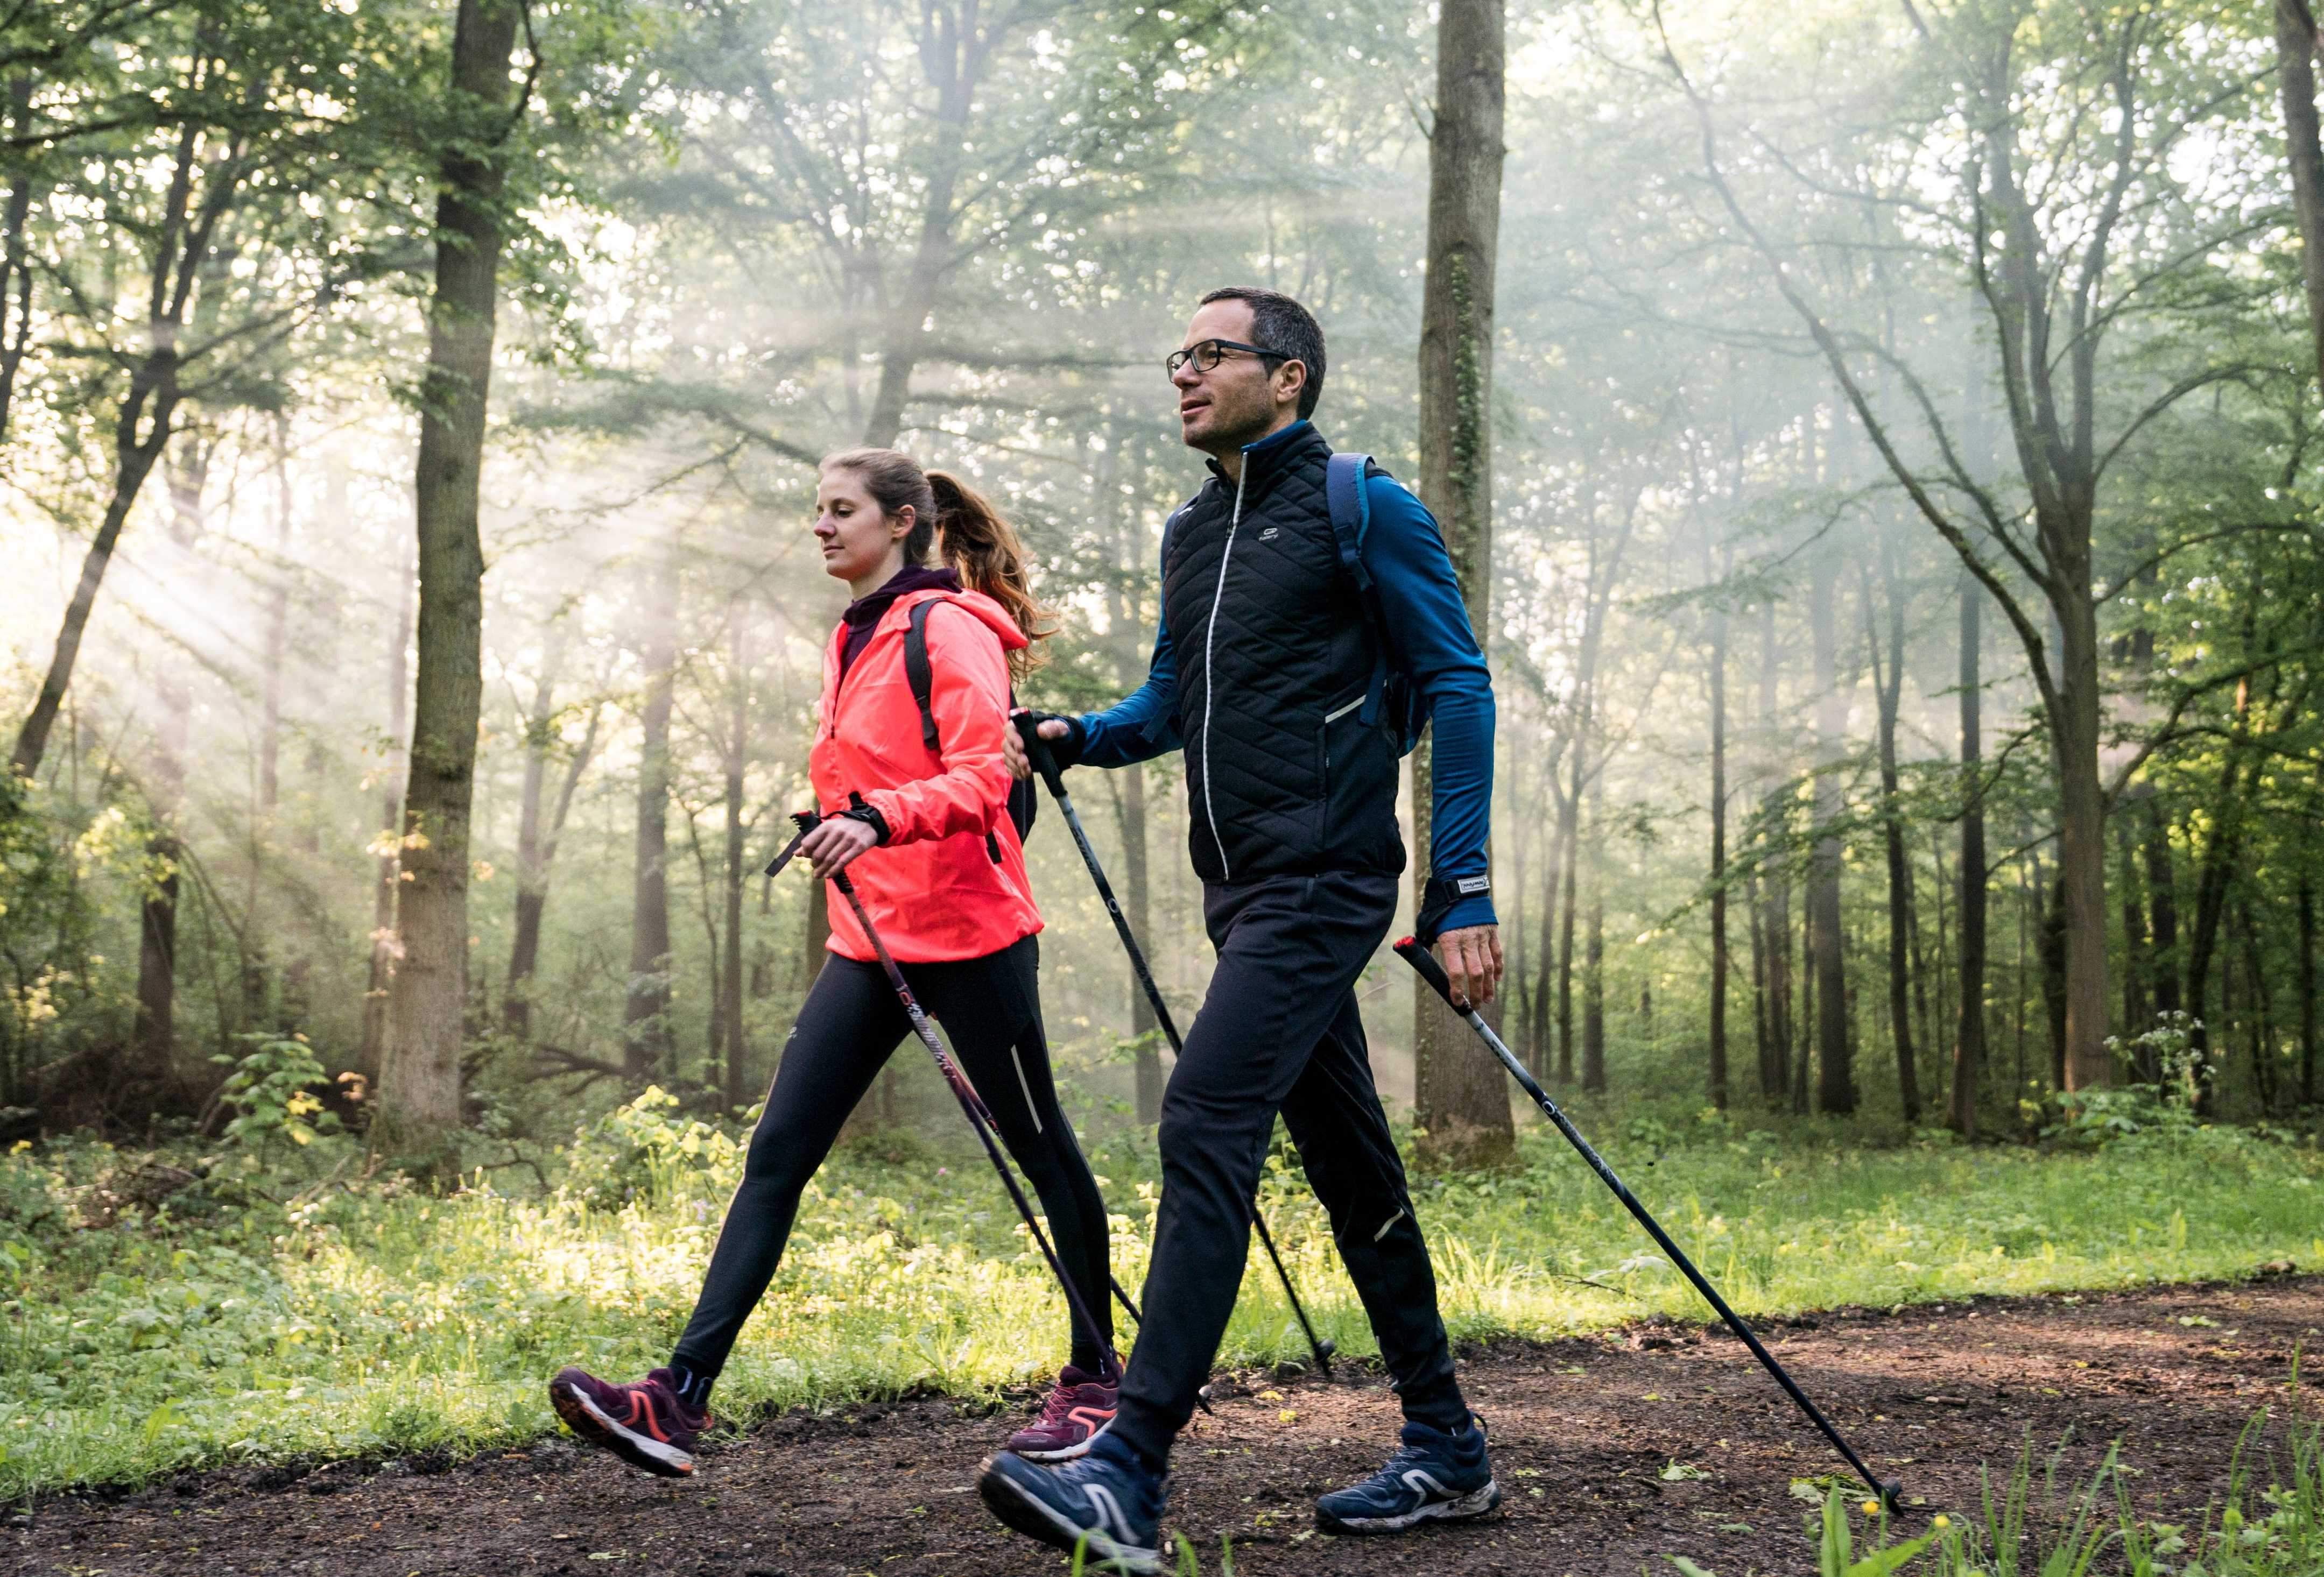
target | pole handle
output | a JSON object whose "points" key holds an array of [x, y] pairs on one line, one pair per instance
{"points": [[1038, 751], [1413, 953]]}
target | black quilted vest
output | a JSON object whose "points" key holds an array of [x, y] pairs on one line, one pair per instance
{"points": [[1282, 777]]}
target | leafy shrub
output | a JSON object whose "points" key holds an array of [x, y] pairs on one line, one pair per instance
{"points": [[271, 1092], [645, 1152]]}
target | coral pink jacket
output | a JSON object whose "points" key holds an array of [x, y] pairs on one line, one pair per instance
{"points": [[949, 884]]}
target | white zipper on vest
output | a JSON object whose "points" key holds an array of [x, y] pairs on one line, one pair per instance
{"points": [[1210, 671]]}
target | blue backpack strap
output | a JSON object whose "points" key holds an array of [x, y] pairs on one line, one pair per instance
{"points": [[917, 673], [1350, 503]]}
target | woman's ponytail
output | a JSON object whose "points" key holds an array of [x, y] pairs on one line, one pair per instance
{"points": [[990, 557]]}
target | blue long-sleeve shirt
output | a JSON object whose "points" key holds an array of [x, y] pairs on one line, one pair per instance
{"points": [[1428, 626]]}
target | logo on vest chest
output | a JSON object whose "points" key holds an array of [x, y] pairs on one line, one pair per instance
{"points": [[1270, 534]]}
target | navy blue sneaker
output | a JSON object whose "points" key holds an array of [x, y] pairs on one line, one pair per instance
{"points": [[1434, 1477], [1107, 1496]]}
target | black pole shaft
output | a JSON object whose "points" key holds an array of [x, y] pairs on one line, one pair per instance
{"points": [[1037, 752], [1434, 973], [980, 1117]]}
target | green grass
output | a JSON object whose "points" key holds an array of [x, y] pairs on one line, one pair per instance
{"points": [[368, 1319], [2031, 1524]]}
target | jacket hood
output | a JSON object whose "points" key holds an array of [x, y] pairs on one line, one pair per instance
{"points": [[994, 616]]}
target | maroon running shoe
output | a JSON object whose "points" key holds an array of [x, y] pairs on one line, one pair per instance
{"points": [[1080, 1408], [645, 1424]]}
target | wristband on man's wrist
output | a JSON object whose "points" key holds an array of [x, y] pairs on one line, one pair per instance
{"points": [[1440, 897]]}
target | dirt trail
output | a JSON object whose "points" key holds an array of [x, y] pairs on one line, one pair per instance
{"points": [[1583, 1430]]}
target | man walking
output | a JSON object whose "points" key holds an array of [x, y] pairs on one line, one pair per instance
{"points": [[1267, 671]]}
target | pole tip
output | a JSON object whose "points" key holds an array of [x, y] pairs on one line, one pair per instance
{"points": [[1891, 1495]]}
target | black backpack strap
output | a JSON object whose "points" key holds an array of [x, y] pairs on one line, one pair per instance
{"points": [[1023, 806], [917, 671]]}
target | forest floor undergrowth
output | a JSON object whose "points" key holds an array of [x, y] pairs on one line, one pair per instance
{"points": [[1616, 1450]]}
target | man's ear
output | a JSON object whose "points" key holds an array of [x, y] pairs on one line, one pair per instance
{"points": [[1290, 381]]}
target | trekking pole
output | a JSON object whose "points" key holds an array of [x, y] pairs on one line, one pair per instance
{"points": [[980, 1116], [1037, 751], [1420, 959]]}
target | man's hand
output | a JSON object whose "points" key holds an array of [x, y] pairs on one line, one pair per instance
{"points": [[834, 844], [1471, 957], [1013, 748]]}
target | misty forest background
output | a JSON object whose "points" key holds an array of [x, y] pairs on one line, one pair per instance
{"points": [[1880, 442]]}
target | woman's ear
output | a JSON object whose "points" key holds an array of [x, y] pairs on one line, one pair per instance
{"points": [[900, 523]]}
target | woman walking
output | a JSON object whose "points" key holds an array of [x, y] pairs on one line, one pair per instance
{"points": [[908, 772]]}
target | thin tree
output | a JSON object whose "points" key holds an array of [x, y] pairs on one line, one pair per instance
{"points": [[646, 1032], [540, 827], [1835, 1067], [1969, 1027], [1718, 957], [1888, 689]]}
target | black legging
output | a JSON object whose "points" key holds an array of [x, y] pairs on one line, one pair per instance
{"points": [[990, 1009]]}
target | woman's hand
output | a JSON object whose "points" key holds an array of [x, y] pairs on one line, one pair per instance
{"points": [[835, 843]]}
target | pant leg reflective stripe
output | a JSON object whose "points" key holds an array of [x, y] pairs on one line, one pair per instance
{"points": [[1021, 1084]]}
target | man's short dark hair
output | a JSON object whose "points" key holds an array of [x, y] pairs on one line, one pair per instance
{"points": [[1281, 323]]}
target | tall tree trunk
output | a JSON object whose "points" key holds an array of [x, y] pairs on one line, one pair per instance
{"points": [[1545, 942], [646, 1029], [1570, 834], [2306, 976], [1762, 1041], [2082, 836], [2262, 1020], [1138, 901], [1777, 921], [1888, 686], [2137, 948], [1835, 1069], [1969, 1023], [1593, 968], [2295, 54], [2218, 869], [2162, 910], [1811, 1026], [736, 1050], [1460, 1097], [139, 435], [15, 262], [2050, 905], [1718, 962], [420, 1076], [181, 254]]}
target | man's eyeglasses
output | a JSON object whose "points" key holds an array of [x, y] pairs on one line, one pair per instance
{"points": [[1206, 355]]}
